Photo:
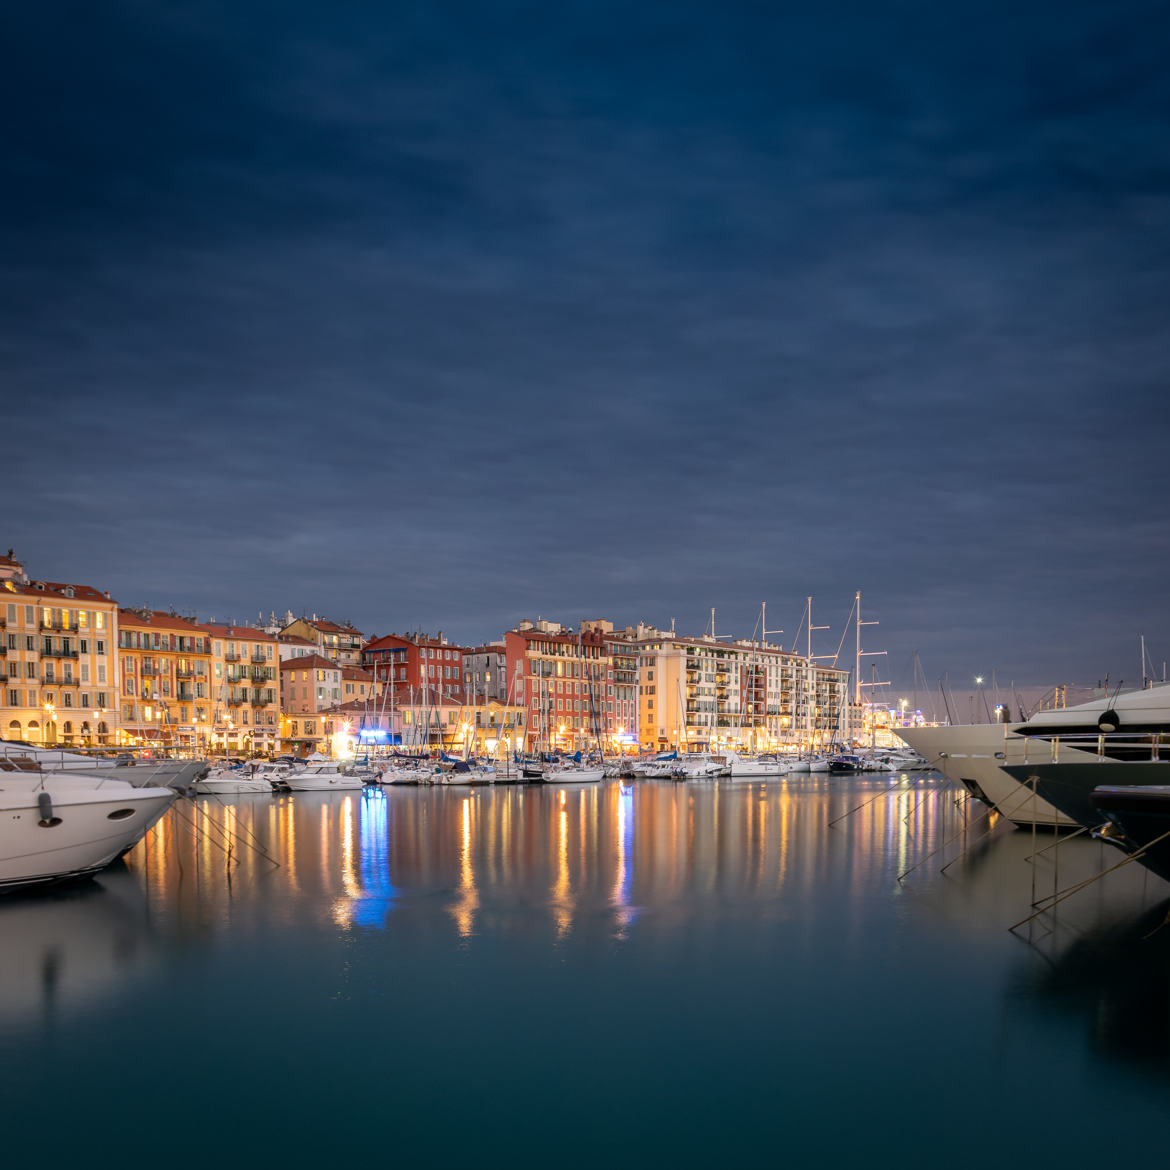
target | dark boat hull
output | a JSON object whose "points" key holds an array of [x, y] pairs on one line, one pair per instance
{"points": [[1142, 817], [1069, 786]]}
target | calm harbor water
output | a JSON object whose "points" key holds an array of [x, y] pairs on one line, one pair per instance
{"points": [[660, 973]]}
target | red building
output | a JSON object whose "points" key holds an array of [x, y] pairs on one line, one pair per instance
{"points": [[563, 680], [416, 661]]}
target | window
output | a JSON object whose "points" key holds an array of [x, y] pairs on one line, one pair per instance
{"points": [[100, 647]]}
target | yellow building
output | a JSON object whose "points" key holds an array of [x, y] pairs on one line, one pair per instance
{"points": [[245, 670], [164, 663], [342, 644], [58, 670]]}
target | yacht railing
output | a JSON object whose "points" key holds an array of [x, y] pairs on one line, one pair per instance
{"points": [[1113, 745]]}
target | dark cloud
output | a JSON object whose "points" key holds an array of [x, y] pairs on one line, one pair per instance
{"points": [[448, 314]]}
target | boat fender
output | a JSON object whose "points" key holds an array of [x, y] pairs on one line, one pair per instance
{"points": [[45, 805], [1109, 720]]}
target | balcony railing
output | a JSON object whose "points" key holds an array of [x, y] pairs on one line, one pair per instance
{"points": [[235, 700], [259, 658], [259, 674], [231, 656], [184, 672], [259, 699], [50, 681], [43, 625], [62, 653], [184, 693], [148, 671]]}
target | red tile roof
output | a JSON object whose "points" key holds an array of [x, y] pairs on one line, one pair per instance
{"points": [[309, 662], [240, 633], [56, 590], [158, 619]]}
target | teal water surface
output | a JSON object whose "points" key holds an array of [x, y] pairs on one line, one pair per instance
{"points": [[620, 975]]}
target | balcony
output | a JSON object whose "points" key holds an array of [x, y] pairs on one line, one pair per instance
{"points": [[57, 626], [259, 699], [259, 674], [184, 672], [186, 694], [231, 656], [259, 658], [62, 653], [50, 681], [235, 700]]}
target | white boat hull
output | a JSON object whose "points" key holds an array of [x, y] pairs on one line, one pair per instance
{"points": [[93, 823], [967, 754], [226, 786], [324, 782]]}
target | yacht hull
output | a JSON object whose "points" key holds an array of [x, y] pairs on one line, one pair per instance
{"points": [[967, 755], [89, 825], [1069, 786]]}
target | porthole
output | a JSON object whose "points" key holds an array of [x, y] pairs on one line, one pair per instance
{"points": [[120, 814]]}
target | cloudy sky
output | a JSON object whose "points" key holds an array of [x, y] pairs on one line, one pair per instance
{"points": [[443, 314]]}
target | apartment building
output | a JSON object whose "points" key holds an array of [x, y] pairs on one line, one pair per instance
{"points": [[701, 692], [341, 643], [164, 671], [58, 669], [309, 687], [245, 683], [562, 680], [406, 661]]}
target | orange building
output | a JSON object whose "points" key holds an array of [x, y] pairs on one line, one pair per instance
{"points": [[164, 663]]}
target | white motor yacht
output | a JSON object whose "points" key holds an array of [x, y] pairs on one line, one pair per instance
{"points": [[752, 767], [321, 776], [60, 825], [229, 782], [575, 775]]}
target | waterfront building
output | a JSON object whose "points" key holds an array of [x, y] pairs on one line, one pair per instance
{"points": [[485, 673], [58, 668], [309, 686], [561, 679], [341, 643], [164, 670], [621, 692], [245, 704], [704, 693], [416, 660], [292, 646]]}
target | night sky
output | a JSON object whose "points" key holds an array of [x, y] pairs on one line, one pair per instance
{"points": [[444, 315]]}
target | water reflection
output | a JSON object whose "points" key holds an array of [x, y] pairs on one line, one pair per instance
{"points": [[1116, 979], [65, 950], [608, 853]]}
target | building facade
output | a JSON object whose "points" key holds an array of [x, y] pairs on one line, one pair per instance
{"points": [[702, 693], [164, 672], [485, 673], [309, 686], [245, 677], [58, 667], [562, 680], [341, 643], [408, 663]]}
